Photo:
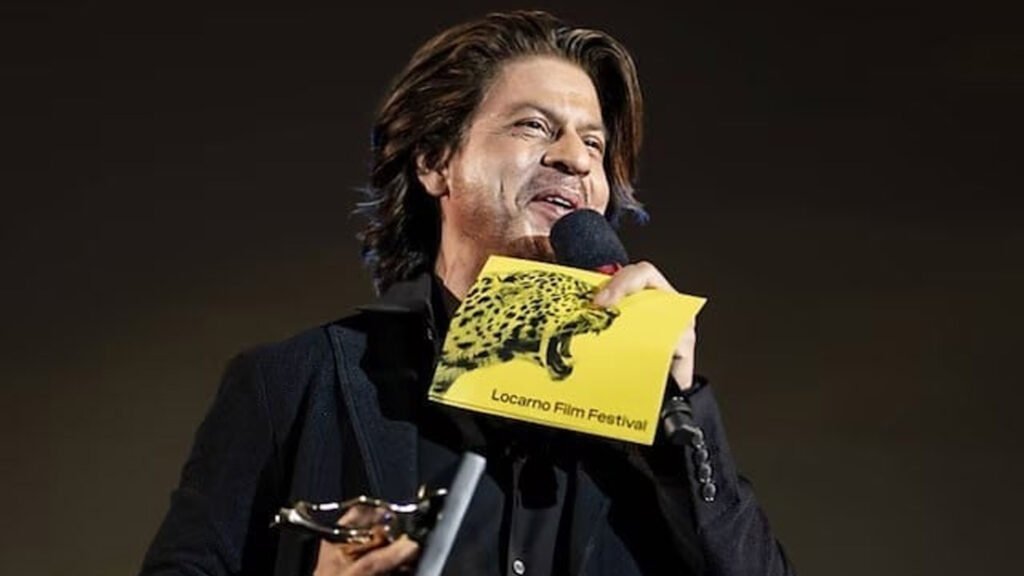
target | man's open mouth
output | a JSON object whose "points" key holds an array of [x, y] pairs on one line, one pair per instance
{"points": [[558, 201]]}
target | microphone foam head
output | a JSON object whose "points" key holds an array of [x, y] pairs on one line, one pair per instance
{"points": [[585, 239]]}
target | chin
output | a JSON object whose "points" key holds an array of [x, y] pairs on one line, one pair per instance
{"points": [[536, 247]]}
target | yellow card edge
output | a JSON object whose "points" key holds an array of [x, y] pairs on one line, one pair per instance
{"points": [[649, 440]]}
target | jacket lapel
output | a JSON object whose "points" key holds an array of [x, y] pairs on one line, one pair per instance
{"points": [[381, 381]]}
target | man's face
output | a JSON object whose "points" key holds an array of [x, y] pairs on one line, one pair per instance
{"points": [[533, 152]]}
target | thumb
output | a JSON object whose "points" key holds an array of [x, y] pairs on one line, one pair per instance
{"points": [[401, 552]]}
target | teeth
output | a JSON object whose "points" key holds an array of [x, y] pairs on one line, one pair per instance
{"points": [[558, 201]]}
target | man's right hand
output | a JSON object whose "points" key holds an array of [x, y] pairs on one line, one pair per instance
{"points": [[341, 560], [366, 557]]}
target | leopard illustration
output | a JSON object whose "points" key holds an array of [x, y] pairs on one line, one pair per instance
{"points": [[529, 315]]}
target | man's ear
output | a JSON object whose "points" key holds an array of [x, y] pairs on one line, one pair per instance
{"points": [[434, 179]]}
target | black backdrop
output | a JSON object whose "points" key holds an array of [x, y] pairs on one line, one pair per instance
{"points": [[842, 182]]}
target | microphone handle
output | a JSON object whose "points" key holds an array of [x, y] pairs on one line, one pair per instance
{"points": [[439, 542]]}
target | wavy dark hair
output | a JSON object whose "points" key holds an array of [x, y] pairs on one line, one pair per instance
{"points": [[432, 102]]}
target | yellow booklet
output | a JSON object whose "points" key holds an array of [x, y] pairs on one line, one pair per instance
{"points": [[527, 343]]}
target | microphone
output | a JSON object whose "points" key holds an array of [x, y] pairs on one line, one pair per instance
{"points": [[585, 239]]}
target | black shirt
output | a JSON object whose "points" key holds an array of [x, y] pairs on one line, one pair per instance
{"points": [[515, 520]]}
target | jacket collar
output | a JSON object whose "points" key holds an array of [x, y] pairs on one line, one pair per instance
{"points": [[412, 296]]}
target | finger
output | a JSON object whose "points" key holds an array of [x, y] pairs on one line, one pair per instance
{"points": [[332, 559], [687, 341], [629, 280], [683, 358], [370, 521], [374, 537], [363, 516], [401, 552]]}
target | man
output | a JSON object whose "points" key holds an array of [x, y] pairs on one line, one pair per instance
{"points": [[495, 130]]}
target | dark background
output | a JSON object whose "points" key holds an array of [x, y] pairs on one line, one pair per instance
{"points": [[842, 182]]}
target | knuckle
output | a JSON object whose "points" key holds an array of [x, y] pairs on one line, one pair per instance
{"points": [[372, 564]]}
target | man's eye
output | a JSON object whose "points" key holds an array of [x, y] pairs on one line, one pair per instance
{"points": [[533, 124], [595, 143]]}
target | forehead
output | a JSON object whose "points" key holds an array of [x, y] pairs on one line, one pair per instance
{"points": [[546, 81]]}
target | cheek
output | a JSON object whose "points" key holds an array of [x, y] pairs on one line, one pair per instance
{"points": [[516, 176], [462, 180], [602, 194], [484, 174]]}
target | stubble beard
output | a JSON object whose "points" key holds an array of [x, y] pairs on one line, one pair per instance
{"points": [[531, 248], [505, 235]]}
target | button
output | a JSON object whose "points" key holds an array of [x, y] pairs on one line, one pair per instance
{"points": [[519, 567], [703, 473], [697, 439], [702, 455], [708, 491]]}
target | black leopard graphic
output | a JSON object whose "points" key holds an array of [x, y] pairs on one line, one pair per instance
{"points": [[529, 315]]}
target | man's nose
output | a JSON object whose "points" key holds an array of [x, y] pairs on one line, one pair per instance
{"points": [[569, 154]]}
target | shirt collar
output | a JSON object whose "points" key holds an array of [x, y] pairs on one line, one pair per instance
{"points": [[424, 295]]}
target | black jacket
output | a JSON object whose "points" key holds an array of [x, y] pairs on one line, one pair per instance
{"points": [[328, 415]]}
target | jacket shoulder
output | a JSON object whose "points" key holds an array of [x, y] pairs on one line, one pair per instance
{"points": [[287, 369]]}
